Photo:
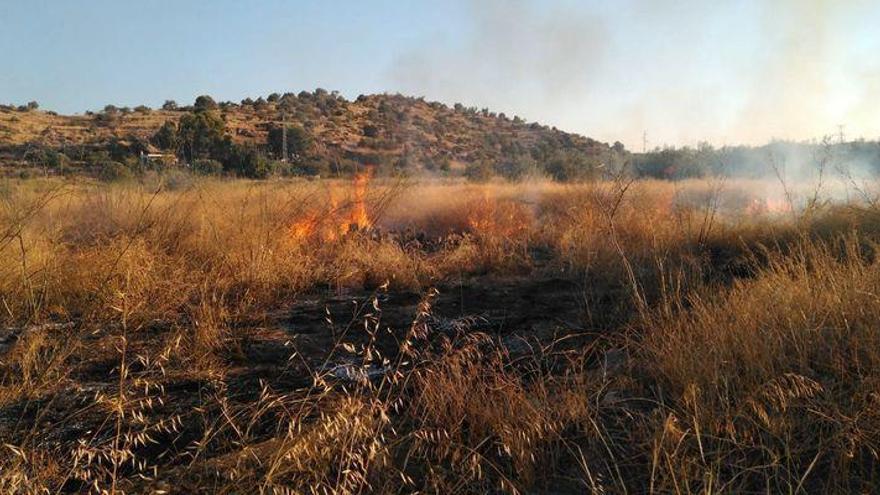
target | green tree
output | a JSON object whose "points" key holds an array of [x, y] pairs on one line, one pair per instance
{"points": [[248, 162], [299, 142], [207, 167], [202, 135], [166, 137], [516, 168], [205, 103], [567, 166]]}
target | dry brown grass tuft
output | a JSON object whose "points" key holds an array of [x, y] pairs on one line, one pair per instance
{"points": [[774, 382], [715, 353]]}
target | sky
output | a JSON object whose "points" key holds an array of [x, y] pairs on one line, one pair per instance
{"points": [[676, 72]]}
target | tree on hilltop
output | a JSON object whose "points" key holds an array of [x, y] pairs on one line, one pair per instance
{"points": [[204, 103]]}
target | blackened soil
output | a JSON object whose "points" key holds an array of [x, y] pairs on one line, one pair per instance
{"points": [[280, 354]]}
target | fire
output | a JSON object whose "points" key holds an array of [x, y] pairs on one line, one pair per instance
{"points": [[768, 206], [303, 228], [359, 218], [497, 217], [335, 221]]}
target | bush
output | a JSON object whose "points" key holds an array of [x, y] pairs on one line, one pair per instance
{"points": [[115, 171], [311, 167], [299, 142], [248, 162], [175, 180], [571, 166], [371, 131], [48, 158], [206, 166], [479, 171], [517, 168], [169, 105]]}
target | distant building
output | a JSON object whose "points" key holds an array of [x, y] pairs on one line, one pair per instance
{"points": [[154, 156]]}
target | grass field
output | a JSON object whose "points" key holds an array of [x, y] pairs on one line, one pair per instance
{"points": [[227, 336]]}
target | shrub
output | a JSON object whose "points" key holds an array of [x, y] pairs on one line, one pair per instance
{"points": [[479, 171], [248, 162], [299, 142], [517, 168], [175, 180], [115, 171], [371, 131], [205, 166]]}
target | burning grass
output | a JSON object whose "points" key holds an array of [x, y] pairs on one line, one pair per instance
{"points": [[718, 348]]}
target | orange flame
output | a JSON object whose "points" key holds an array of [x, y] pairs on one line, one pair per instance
{"points": [[332, 222], [359, 218]]}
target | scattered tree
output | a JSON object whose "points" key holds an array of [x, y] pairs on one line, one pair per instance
{"points": [[201, 135], [299, 142], [205, 103], [166, 137]]}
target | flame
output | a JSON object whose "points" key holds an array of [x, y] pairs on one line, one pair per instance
{"points": [[359, 218], [303, 228], [334, 221]]}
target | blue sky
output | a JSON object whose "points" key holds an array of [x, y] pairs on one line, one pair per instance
{"points": [[685, 71]]}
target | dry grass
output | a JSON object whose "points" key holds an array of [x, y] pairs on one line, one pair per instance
{"points": [[730, 354]]}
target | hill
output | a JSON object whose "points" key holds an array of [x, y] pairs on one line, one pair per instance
{"points": [[383, 129]]}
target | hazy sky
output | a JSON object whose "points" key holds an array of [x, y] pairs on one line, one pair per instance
{"points": [[686, 71]]}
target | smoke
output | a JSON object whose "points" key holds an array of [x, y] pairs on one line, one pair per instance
{"points": [[514, 58], [792, 94], [685, 72]]}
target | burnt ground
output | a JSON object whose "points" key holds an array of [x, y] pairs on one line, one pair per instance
{"points": [[281, 353], [298, 341]]}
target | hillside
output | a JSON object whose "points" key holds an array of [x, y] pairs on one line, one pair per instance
{"points": [[380, 128]]}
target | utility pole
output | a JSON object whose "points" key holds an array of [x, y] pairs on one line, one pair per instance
{"points": [[283, 137], [644, 141], [840, 137]]}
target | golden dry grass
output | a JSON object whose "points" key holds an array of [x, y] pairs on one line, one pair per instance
{"points": [[730, 353]]}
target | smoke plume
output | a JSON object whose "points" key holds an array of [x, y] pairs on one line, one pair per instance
{"points": [[685, 72]]}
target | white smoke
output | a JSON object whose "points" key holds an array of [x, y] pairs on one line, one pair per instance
{"points": [[738, 72]]}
